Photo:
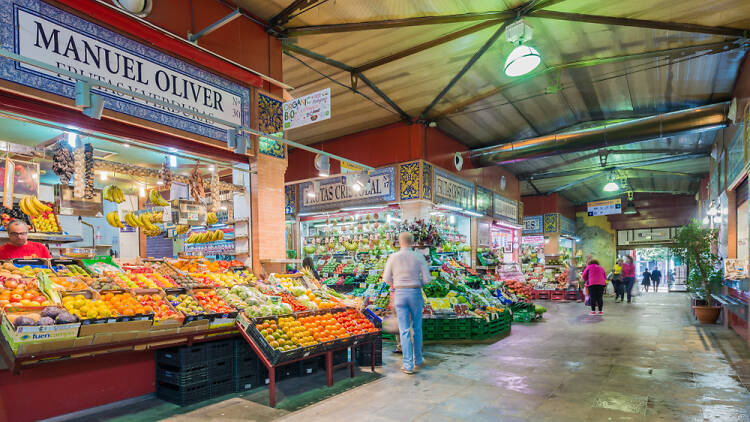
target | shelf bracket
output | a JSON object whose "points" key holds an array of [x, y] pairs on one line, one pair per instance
{"points": [[214, 26]]}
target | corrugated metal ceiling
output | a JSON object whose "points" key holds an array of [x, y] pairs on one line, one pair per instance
{"points": [[553, 102]]}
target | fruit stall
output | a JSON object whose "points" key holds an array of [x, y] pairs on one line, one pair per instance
{"points": [[62, 309]]}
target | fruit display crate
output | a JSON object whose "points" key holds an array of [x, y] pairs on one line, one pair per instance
{"points": [[465, 328], [183, 356], [195, 374]]}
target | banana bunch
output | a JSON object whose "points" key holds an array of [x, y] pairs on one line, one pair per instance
{"points": [[156, 217], [182, 228], [113, 219], [32, 206], [157, 199], [207, 236], [211, 218], [113, 194], [132, 220]]}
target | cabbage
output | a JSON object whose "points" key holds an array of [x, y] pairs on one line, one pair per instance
{"points": [[51, 311], [297, 290], [45, 320], [286, 308], [266, 310], [22, 320], [253, 311], [65, 318]]}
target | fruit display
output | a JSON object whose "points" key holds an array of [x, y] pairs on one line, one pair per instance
{"points": [[211, 218], [102, 268], [145, 222], [212, 302], [86, 308], [186, 304], [62, 162], [114, 194], [158, 305], [104, 284], [41, 215], [519, 288], [354, 322], [227, 279], [131, 280], [231, 299], [290, 300], [69, 283], [182, 228], [324, 327], [113, 219], [281, 340], [124, 304], [21, 291], [50, 315], [70, 269], [155, 197], [207, 236]]}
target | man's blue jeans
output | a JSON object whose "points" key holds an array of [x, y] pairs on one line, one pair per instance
{"points": [[409, 304]]}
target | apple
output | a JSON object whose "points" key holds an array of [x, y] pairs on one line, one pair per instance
{"points": [[40, 299], [16, 298]]}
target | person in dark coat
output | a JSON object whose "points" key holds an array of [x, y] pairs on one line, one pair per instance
{"points": [[656, 278], [646, 281]]}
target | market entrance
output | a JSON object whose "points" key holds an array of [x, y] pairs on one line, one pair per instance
{"points": [[672, 274]]}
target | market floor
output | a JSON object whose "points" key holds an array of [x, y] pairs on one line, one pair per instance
{"points": [[646, 361]]}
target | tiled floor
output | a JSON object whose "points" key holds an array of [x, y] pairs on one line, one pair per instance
{"points": [[646, 361]]}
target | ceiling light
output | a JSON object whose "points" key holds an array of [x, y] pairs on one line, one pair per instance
{"points": [[211, 168], [126, 145], [357, 186], [172, 161], [142, 191], [160, 182], [72, 139], [611, 187], [103, 176], [522, 60], [323, 164]]}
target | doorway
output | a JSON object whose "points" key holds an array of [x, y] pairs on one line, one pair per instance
{"points": [[672, 273]]}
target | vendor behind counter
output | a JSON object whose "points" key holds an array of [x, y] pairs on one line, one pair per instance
{"points": [[19, 246]]}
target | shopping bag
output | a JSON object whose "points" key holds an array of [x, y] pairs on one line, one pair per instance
{"points": [[587, 302], [390, 324]]}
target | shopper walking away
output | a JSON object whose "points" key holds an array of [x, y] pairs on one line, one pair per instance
{"points": [[617, 281], [573, 279], [656, 279], [628, 276], [646, 280], [596, 279], [407, 272]]}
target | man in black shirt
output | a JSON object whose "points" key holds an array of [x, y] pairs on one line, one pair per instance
{"points": [[656, 278]]}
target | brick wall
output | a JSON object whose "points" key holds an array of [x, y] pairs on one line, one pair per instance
{"points": [[267, 190]]}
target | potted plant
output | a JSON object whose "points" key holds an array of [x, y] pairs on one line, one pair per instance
{"points": [[694, 246]]}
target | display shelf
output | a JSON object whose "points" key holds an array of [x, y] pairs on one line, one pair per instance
{"points": [[48, 237]]}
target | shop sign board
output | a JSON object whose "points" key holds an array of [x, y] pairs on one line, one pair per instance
{"points": [[484, 201], [533, 240], [335, 193], [533, 224], [505, 209], [453, 191], [308, 109], [567, 226], [37, 30], [612, 206]]}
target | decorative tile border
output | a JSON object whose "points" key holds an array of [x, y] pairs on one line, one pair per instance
{"points": [[409, 180]]}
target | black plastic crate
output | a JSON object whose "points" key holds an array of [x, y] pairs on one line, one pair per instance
{"points": [[221, 368], [183, 395], [340, 356], [241, 348], [180, 376], [183, 356], [245, 366], [220, 349], [310, 366], [282, 372], [247, 383], [221, 387]]}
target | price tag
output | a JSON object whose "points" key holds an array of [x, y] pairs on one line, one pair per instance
{"points": [[362, 285]]}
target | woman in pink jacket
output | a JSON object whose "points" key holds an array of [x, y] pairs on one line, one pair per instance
{"points": [[596, 280]]}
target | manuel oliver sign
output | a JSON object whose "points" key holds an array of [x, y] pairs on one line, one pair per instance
{"points": [[62, 40]]}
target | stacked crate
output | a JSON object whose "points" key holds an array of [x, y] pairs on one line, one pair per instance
{"points": [[246, 367], [182, 374], [363, 353]]}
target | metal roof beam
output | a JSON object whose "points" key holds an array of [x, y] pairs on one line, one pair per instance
{"points": [[427, 45], [640, 23], [337, 64], [286, 15], [397, 23], [716, 47], [621, 166]]}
